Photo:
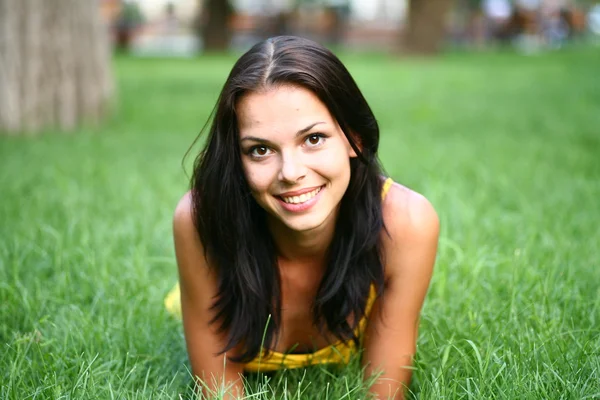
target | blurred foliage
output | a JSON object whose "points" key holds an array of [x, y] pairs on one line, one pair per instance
{"points": [[131, 16]]}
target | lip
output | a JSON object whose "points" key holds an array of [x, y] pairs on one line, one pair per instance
{"points": [[303, 206], [299, 192]]}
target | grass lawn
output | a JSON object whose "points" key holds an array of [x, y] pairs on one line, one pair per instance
{"points": [[507, 148]]}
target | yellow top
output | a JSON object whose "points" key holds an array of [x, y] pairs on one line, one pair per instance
{"points": [[336, 353]]}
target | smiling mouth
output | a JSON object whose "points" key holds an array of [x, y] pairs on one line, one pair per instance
{"points": [[303, 198]]}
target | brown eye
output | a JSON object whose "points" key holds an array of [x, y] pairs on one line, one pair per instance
{"points": [[259, 151], [314, 140]]}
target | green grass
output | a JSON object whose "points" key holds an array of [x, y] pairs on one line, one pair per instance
{"points": [[507, 148]]}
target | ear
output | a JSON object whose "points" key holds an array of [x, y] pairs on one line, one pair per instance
{"points": [[356, 140], [351, 152]]}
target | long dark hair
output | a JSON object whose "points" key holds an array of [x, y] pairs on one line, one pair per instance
{"points": [[233, 227]]}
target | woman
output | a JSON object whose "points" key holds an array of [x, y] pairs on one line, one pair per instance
{"points": [[292, 248]]}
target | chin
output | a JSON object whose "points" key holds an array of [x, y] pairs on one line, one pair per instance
{"points": [[305, 223], [303, 226]]}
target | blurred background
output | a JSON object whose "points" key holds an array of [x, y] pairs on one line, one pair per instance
{"points": [[489, 108], [183, 27], [187, 26], [72, 41]]}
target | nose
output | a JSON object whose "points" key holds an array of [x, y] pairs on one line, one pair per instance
{"points": [[292, 168]]}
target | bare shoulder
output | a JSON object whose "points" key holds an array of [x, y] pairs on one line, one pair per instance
{"points": [[412, 225], [183, 217], [407, 212], [184, 228], [188, 247]]}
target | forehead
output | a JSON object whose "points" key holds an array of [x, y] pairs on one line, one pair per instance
{"points": [[283, 109]]}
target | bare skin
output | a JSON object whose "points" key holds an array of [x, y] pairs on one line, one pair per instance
{"points": [[277, 160]]}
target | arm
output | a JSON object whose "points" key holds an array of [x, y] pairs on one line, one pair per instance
{"points": [[409, 256], [198, 288]]}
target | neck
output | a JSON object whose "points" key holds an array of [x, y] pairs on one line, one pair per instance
{"points": [[303, 246]]}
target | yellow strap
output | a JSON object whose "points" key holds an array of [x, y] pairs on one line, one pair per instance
{"points": [[386, 187]]}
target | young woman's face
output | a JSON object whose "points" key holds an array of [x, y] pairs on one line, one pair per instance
{"points": [[295, 156]]}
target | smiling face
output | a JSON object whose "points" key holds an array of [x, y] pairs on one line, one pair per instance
{"points": [[296, 158]]}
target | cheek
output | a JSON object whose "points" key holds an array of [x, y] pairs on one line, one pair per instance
{"points": [[335, 163], [258, 176]]}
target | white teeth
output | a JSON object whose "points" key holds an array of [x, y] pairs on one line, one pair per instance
{"points": [[302, 198]]}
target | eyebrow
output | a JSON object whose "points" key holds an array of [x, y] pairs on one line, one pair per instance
{"points": [[299, 133]]}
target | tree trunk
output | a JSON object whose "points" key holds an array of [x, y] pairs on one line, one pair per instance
{"points": [[54, 65], [426, 26], [215, 25]]}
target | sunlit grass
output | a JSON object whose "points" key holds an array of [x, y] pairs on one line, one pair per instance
{"points": [[506, 147]]}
